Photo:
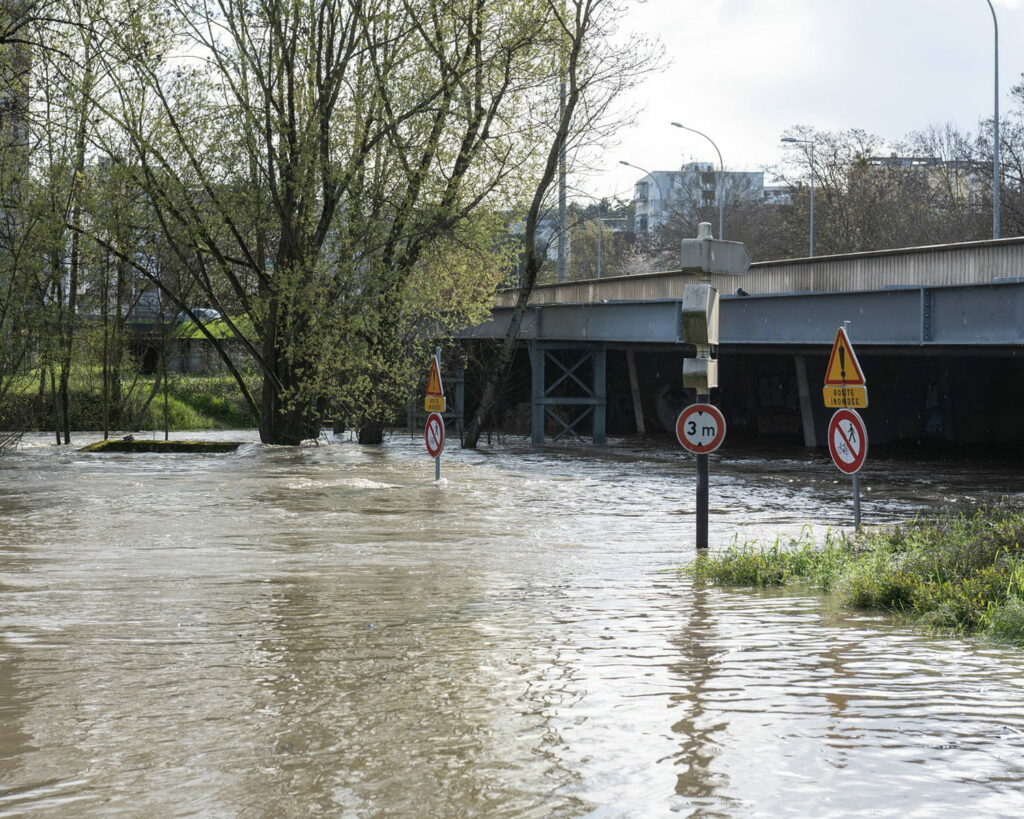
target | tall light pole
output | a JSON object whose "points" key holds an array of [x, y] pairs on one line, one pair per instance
{"points": [[995, 131], [657, 184], [719, 179], [600, 225], [810, 229], [563, 224]]}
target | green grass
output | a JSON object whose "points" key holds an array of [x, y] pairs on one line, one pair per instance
{"points": [[193, 402], [961, 573]]}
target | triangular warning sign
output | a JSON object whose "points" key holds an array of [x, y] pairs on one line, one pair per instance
{"points": [[843, 367], [434, 386]]}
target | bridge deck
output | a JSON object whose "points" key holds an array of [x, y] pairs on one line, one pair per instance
{"points": [[952, 264], [967, 295]]}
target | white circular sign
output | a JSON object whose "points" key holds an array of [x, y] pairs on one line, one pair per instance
{"points": [[847, 441], [433, 433], [700, 428]]}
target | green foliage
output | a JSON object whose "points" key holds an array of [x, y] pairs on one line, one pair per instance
{"points": [[798, 559], [958, 572], [194, 402]]}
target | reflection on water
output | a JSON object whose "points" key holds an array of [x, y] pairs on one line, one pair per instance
{"points": [[326, 630]]}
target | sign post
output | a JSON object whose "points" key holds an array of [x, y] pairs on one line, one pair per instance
{"points": [[846, 388], [845, 385], [848, 446], [434, 402], [433, 434], [704, 255]]}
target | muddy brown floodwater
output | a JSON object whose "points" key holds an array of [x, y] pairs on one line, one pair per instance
{"points": [[326, 631]]}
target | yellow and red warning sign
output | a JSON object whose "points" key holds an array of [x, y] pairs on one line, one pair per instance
{"points": [[845, 385], [434, 400]]}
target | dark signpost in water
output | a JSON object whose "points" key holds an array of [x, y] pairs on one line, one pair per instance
{"points": [[701, 427], [434, 402]]}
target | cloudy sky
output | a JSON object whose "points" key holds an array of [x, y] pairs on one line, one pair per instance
{"points": [[743, 71]]}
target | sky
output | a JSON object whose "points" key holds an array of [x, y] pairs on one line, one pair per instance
{"points": [[743, 71]]}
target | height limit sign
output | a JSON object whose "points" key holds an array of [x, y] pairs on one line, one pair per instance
{"points": [[700, 428]]}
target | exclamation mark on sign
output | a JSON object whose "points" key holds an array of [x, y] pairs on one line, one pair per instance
{"points": [[842, 363]]}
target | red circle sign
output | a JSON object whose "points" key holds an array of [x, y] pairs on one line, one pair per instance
{"points": [[433, 432], [700, 428], [847, 441]]}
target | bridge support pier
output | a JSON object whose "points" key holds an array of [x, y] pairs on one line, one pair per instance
{"points": [[634, 386], [568, 389], [806, 405]]}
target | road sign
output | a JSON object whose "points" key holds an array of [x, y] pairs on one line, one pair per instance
{"points": [[700, 428], [836, 397], [435, 400], [433, 432], [708, 255], [843, 368], [847, 441]]}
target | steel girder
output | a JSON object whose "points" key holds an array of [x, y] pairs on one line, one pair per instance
{"points": [[961, 315]]}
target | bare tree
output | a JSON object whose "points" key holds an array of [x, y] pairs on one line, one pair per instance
{"points": [[594, 71]]}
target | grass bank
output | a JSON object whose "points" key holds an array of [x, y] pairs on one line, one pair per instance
{"points": [[194, 402], [961, 573]]}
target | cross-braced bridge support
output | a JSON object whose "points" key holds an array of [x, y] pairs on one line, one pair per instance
{"points": [[569, 385]]}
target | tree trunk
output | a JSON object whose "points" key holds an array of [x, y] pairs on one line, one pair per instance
{"points": [[371, 433], [495, 381], [285, 419]]}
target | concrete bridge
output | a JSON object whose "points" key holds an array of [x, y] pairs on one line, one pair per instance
{"points": [[939, 331]]}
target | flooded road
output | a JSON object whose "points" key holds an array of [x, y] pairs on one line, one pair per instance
{"points": [[326, 631]]}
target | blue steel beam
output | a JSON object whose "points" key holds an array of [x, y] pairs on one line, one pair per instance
{"points": [[961, 315], [631, 322]]}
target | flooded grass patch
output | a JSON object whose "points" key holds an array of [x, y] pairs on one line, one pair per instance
{"points": [[961, 573]]}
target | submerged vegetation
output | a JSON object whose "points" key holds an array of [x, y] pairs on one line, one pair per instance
{"points": [[961, 573]]}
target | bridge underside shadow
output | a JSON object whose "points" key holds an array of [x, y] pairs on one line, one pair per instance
{"points": [[943, 363]]}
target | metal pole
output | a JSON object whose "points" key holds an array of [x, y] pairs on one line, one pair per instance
{"points": [[437, 468], [657, 184], [719, 178], [856, 475], [721, 203], [995, 132], [563, 227], [811, 229], [856, 499], [703, 475], [810, 156]]}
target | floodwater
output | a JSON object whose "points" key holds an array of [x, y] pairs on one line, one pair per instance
{"points": [[327, 631]]}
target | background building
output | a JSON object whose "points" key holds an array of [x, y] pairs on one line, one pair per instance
{"points": [[696, 185]]}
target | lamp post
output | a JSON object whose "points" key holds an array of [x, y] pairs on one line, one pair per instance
{"points": [[810, 229], [719, 179], [600, 225], [657, 184], [995, 131]]}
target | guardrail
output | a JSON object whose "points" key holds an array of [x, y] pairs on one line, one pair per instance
{"points": [[952, 264]]}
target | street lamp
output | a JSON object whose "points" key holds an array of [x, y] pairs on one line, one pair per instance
{"points": [[661, 193], [995, 131], [719, 179], [810, 230], [600, 226]]}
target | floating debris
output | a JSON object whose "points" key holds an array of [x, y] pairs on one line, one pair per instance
{"points": [[134, 445]]}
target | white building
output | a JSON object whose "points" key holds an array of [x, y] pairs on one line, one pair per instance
{"points": [[697, 184]]}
